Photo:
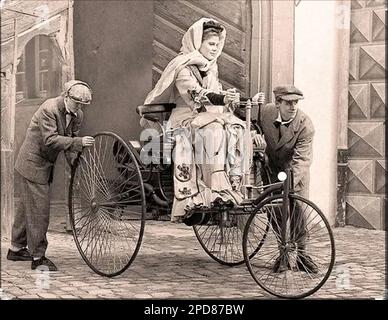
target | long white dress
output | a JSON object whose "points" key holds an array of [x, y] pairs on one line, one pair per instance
{"points": [[209, 145], [208, 149]]}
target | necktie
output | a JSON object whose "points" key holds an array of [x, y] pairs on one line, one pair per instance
{"points": [[69, 116], [282, 128]]}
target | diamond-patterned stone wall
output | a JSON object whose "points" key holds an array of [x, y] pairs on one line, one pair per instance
{"points": [[367, 109]]}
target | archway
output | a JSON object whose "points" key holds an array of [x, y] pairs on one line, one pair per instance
{"points": [[21, 22]]}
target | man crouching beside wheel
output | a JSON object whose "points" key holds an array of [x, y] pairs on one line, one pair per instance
{"points": [[53, 128], [289, 133]]}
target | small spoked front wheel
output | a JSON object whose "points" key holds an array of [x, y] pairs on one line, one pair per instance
{"points": [[297, 254], [107, 205]]}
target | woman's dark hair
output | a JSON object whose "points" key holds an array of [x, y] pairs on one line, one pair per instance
{"points": [[211, 28], [214, 25]]}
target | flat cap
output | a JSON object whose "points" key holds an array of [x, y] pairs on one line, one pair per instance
{"points": [[78, 91], [288, 92]]}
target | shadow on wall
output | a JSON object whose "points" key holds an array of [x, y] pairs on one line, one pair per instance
{"points": [[116, 60]]}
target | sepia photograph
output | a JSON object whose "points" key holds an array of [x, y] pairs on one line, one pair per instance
{"points": [[193, 156]]}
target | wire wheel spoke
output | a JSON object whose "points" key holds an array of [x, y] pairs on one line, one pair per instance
{"points": [[221, 237], [297, 254], [107, 205]]}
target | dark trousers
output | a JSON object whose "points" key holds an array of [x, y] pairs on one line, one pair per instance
{"points": [[32, 218], [297, 218]]}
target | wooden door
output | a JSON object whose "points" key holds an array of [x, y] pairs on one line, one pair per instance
{"points": [[173, 18]]}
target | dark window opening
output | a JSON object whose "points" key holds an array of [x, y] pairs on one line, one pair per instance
{"points": [[38, 74]]}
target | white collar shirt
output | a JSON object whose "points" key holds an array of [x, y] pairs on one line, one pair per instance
{"points": [[280, 120]]}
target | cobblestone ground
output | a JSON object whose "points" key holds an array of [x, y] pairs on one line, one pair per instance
{"points": [[172, 265]]}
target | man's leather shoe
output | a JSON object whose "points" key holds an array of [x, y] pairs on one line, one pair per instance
{"points": [[21, 255], [306, 264], [281, 264], [43, 264]]}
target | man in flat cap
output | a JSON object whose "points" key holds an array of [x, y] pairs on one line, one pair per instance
{"points": [[289, 133], [53, 128]]}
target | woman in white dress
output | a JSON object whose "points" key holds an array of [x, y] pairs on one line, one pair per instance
{"points": [[208, 141]]}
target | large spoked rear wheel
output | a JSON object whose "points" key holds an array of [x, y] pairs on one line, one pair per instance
{"points": [[107, 205], [298, 266]]}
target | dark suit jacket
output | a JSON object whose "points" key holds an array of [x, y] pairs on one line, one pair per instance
{"points": [[46, 136], [294, 148]]}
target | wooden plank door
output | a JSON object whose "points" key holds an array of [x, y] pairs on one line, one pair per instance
{"points": [[173, 18]]}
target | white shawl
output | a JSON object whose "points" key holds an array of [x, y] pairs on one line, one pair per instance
{"points": [[189, 55]]}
